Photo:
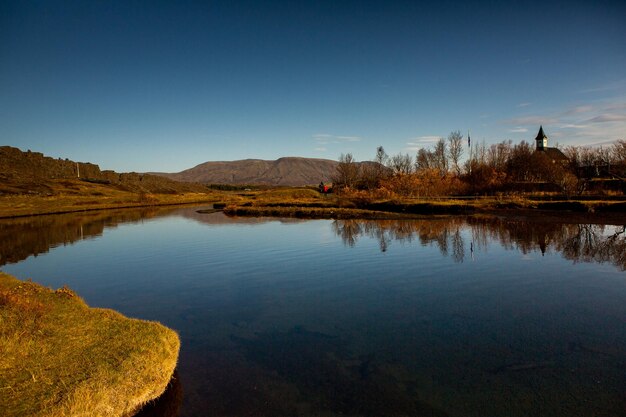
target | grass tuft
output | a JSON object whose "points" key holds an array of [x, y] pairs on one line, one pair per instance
{"points": [[62, 358]]}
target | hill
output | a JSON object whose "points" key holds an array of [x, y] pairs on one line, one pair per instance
{"points": [[288, 171], [34, 173]]}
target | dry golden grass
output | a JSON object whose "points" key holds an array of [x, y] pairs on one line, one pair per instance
{"points": [[308, 203], [72, 195], [61, 358]]}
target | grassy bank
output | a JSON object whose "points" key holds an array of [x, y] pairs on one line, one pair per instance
{"points": [[307, 203], [75, 196], [62, 358], [67, 196]]}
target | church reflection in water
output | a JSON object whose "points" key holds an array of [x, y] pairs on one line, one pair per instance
{"points": [[458, 237]]}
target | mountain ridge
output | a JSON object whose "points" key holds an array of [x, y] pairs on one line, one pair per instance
{"points": [[284, 171], [27, 172]]}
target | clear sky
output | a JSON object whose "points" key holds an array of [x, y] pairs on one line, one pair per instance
{"points": [[164, 86]]}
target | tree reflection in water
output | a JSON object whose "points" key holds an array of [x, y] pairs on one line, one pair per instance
{"points": [[576, 242], [454, 236]]}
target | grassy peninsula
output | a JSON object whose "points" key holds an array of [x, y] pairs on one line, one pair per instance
{"points": [[63, 358], [309, 203]]}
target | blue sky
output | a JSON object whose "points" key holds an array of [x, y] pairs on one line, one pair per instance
{"points": [[164, 86]]}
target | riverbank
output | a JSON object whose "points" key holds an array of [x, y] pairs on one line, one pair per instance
{"points": [[310, 204], [306, 202], [69, 196], [61, 357]]}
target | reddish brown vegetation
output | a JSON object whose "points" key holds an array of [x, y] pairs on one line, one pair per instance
{"points": [[501, 168]]}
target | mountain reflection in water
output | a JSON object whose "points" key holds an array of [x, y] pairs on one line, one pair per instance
{"points": [[576, 242]]}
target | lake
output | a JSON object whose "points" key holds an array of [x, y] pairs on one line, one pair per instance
{"points": [[446, 316]]}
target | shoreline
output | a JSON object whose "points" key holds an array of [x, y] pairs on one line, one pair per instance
{"points": [[582, 212], [108, 207], [303, 203], [12, 207]]}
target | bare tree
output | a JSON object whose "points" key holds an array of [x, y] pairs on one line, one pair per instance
{"points": [[374, 172], [455, 150], [499, 154], [619, 151], [441, 157], [381, 156], [347, 173], [401, 164], [519, 166], [424, 160], [380, 161]]}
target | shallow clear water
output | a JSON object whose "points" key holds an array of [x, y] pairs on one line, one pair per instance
{"points": [[448, 316]]}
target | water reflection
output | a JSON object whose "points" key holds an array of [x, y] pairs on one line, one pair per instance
{"points": [[267, 329], [25, 236], [32, 236], [576, 242]]}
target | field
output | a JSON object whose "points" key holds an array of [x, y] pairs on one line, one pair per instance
{"points": [[65, 196], [305, 202]]}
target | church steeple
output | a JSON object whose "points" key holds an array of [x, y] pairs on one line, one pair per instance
{"points": [[542, 140]]}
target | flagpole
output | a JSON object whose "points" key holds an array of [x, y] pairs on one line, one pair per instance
{"points": [[469, 144]]}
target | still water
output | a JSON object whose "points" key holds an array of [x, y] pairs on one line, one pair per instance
{"points": [[447, 316]]}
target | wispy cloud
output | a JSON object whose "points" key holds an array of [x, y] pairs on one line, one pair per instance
{"points": [[573, 126], [328, 138], [423, 140], [325, 140], [609, 86], [608, 118], [600, 122], [415, 144], [579, 109], [524, 104], [531, 120]]}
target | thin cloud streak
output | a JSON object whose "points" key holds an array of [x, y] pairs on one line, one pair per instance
{"points": [[587, 124], [325, 140], [421, 142], [335, 138], [423, 139], [608, 118], [612, 86]]}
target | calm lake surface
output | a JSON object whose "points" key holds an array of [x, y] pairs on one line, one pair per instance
{"points": [[448, 316]]}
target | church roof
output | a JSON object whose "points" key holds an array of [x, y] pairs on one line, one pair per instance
{"points": [[540, 135], [555, 154]]}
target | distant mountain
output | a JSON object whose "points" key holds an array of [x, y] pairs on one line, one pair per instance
{"points": [[292, 171]]}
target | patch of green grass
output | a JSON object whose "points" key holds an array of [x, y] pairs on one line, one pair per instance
{"points": [[62, 358]]}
